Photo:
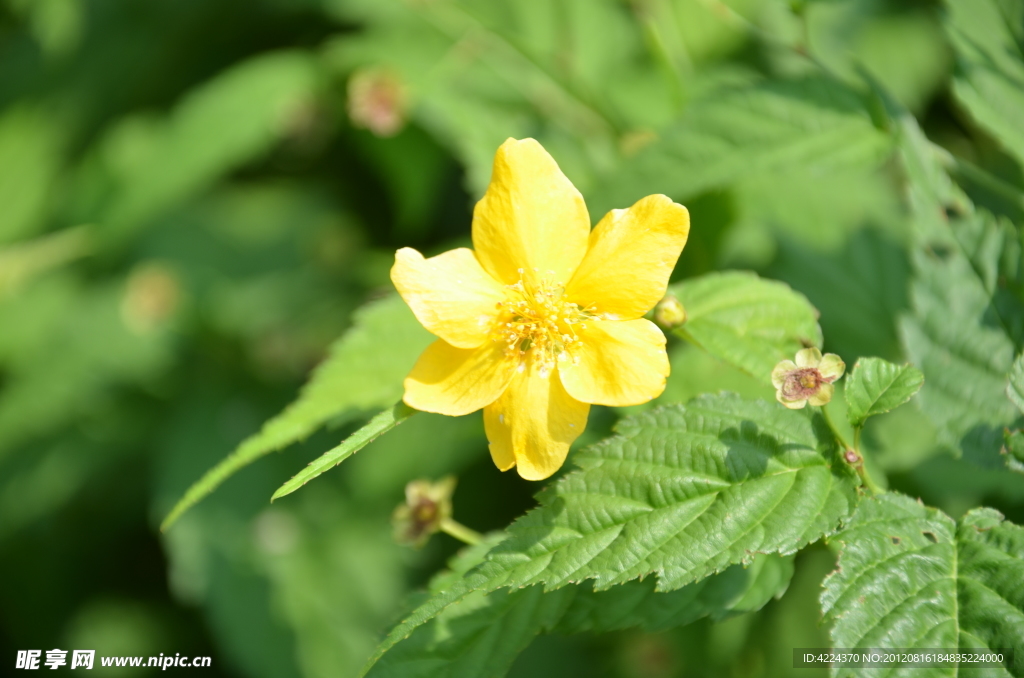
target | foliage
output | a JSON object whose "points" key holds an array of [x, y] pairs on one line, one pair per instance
{"points": [[911, 576], [876, 387], [200, 212]]}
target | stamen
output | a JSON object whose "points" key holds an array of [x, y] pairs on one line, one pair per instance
{"points": [[538, 325]]}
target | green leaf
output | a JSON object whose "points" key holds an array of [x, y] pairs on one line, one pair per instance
{"points": [[682, 492], [1015, 387], [746, 321], [364, 370], [573, 75], [909, 576], [967, 317], [30, 145], [484, 634], [1013, 448], [218, 127], [964, 359], [989, 81], [876, 386], [378, 426], [813, 124], [735, 590], [860, 288]]}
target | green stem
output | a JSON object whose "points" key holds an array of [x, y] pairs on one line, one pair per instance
{"points": [[835, 431], [858, 464], [460, 531]]}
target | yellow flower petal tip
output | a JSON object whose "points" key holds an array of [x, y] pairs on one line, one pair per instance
{"points": [[808, 378], [543, 317]]}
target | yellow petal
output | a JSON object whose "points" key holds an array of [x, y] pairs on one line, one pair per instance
{"points": [[499, 436], [823, 396], [831, 367], [791, 404], [530, 218], [616, 363], [781, 371], [808, 357], [451, 294], [631, 255], [533, 424], [456, 381]]}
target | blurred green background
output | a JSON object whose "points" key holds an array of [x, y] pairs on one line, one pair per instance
{"points": [[195, 196]]}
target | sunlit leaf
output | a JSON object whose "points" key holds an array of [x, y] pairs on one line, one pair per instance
{"points": [[747, 321], [876, 386], [379, 425], [364, 370], [811, 124], [910, 576], [861, 289], [682, 492]]}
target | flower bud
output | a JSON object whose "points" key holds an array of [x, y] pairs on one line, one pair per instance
{"points": [[427, 505], [669, 313], [809, 379], [151, 297], [377, 101]]}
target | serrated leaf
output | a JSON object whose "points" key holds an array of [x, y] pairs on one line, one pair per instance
{"points": [[1015, 387], [811, 124], [909, 576], [485, 632], [364, 370], [967, 316], [736, 590], [860, 287], [747, 321], [876, 386], [682, 492], [989, 80], [964, 359], [378, 426], [1013, 448]]}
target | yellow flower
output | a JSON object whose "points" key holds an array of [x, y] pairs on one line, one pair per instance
{"points": [[810, 378], [544, 316]]}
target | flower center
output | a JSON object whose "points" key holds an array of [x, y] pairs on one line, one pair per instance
{"points": [[537, 323], [802, 383]]}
